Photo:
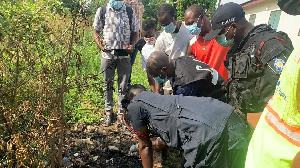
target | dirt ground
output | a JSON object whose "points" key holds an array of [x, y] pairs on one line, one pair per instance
{"points": [[98, 145]]}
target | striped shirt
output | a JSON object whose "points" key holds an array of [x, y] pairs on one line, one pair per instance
{"points": [[116, 31]]}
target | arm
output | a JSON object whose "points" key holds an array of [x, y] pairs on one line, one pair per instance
{"points": [[190, 52], [154, 86], [159, 144], [98, 40], [134, 38], [296, 161], [145, 148], [134, 29]]}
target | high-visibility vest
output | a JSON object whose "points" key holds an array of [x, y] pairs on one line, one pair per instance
{"points": [[276, 139]]}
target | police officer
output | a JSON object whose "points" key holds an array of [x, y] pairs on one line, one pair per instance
{"points": [[255, 59], [276, 139], [190, 76], [210, 132]]}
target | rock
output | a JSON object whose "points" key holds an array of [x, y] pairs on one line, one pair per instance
{"points": [[89, 129], [76, 154], [113, 148], [87, 141], [134, 148], [95, 158]]}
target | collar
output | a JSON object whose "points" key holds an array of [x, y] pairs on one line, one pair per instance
{"points": [[257, 29]]}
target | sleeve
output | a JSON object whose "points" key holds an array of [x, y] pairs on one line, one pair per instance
{"points": [[159, 44], [137, 115], [135, 27], [274, 55], [97, 21]]}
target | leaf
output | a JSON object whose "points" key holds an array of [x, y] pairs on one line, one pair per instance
{"points": [[4, 21]]}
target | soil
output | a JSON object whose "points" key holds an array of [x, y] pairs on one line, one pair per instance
{"points": [[98, 145]]}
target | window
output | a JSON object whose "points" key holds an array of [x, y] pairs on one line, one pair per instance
{"points": [[252, 19], [274, 19]]}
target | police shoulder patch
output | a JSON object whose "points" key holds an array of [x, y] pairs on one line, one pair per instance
{"points": [[278, 64]]}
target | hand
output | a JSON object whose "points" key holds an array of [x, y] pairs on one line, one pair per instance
{"points": [[159, 145], [102, 47], [128, 49]]}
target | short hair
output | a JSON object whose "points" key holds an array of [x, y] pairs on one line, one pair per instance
{"points": [[166, 8], [156, 61], [196, 9], [148, 24], [134, 90], [130, 93]]}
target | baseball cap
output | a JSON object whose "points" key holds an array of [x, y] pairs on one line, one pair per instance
{"points": [[223, 17], [291, 7]]}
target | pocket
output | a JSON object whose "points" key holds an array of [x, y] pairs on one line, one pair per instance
{"points": [[241, 66]]}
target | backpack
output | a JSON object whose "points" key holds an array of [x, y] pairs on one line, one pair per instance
{"points": [[129, 12]]}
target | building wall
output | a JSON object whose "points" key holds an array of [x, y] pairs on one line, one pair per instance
{"points": [[287, 23]]}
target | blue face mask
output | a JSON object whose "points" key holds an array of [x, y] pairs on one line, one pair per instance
{"points": [[194, 29], [221, 39], [170, 28], [160, 80], [116, 4]]}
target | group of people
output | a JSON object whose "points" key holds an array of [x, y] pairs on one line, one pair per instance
{"points": [[213, 72]]}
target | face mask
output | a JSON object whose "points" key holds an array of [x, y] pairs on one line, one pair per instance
{"points": [[194, 29], [221, 39], [151, 40], [170, 28], [160, 80], [116, 4]]}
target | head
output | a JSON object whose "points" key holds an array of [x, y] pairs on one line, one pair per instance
{"points": [[291, 7], [160, 66], [228, 24], [116, 4], [167, 18], [195, 19], [130, 93], [149, 31]]}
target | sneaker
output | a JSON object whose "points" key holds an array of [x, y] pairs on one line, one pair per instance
{"points": [[108, 120]]}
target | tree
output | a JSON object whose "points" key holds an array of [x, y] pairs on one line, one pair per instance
{"points": [[151, 7], [181, 5]]}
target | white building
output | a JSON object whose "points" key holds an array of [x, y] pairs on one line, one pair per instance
{"points": [[268, 12]]}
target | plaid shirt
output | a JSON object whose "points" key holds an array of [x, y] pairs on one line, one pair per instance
{"points": [[116, 31], [138, 7]]}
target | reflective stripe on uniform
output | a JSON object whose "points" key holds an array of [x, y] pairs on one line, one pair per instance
{"points": [[290, 133]]}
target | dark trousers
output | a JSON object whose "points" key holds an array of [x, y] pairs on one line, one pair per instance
{"points": [[132, 59]]}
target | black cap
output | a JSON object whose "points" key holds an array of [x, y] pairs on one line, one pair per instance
{"points": [[223, 17], [291, 7]]}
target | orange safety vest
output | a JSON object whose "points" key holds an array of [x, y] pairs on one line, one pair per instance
{"points": [[276, 139]]}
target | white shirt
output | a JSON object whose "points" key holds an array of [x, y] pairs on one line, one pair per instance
{"points": [[174, 44], [146, 51]]}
